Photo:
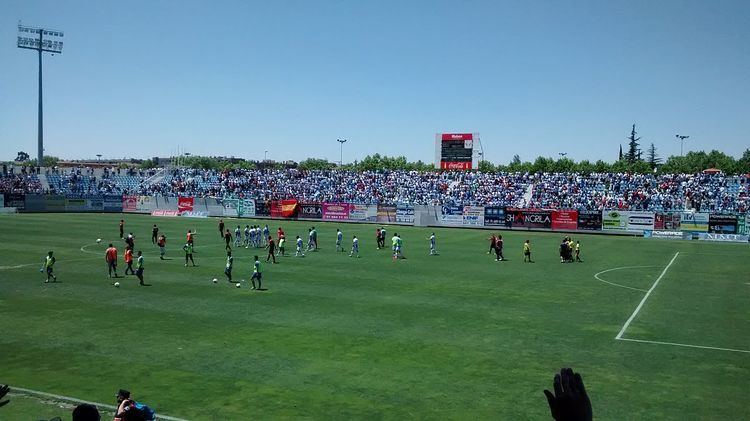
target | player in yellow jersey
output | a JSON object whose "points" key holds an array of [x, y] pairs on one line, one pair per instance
{"points": [[49, 263], [527, 251]]}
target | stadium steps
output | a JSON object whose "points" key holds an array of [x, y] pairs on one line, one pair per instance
{"points": [[43, 180], [528, 193]]}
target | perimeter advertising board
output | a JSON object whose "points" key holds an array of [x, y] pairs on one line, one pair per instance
{"points": [[494, 216], [129, 203], [185, 203], [357, 212], [386, 213], [627, 220], [694, 221], [336, 211], [743, 224], [722, 224], [310, 211], [144, 204], [589, 220], [246, 208], [451, 215], [77, 204], [261, 208], [405, 214], [15, 200], [564, 220], [54, 203], [112, 203], [528, 218], [473, 215], [230, 207]]}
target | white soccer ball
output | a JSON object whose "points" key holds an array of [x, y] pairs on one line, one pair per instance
{"points": [[117, 285], [98, 240], [214, 280], [238, 284]]}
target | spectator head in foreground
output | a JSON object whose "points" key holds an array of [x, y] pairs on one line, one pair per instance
{"points": [[86, 412]]}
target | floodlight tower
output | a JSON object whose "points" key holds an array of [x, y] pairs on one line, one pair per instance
{"points": [[41, 40], [682, 141], [341, 159]]}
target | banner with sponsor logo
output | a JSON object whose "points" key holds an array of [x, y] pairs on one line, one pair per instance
{"points": [[589, 220], [143, 204], [528, 218], [246, 208], [386, 213], [77, 204], [34, 203], [230, 207], [614, 220], [357, 212], [494, 216], [261, 208], [129, 203], [335, 211], [722, 224], [54, 203], [283, 208], [15, 200], [564, 219], [112, 203], [372, 213], [743, 224], [405, 214], [165, 212], [451, 215], [185, 203], [669, 221], [473, 215], [310, 211], [694, 221], [726, 238], [194, 214], [639, 221], [668, 235]]}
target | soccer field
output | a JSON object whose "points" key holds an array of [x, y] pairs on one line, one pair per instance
{"points": [[454, 336]]}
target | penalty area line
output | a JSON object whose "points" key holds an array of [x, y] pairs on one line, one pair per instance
{"points": [[68, 399], [645, 297], [715, 348]]}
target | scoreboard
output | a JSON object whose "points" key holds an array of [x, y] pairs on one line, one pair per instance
{"points": [[455, 151]]}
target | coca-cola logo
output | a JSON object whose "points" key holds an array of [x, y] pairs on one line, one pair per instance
{"points": [[456, 165]]}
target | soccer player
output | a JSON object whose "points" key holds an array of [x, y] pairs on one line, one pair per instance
{"points": [[315, 239], [564, 250], [339, 238], [394, 244], [247, 236], [382, 237], [299, 252], [228, 268], [377, 237], [154, 234], [499, 249], [188, 249], [49, 262], [309, 239], [266, 231], [237, 236], [282, 245], [527, 252], [139, 268], [355, 247], [129, 260], [130, 240], [433, 249], [190, 237], [221, 228], [162, 243], [571, 247], [110, 256], [279, 233], [493, 244], [122, 229], [578, 252], [228, 239], [256, 273], [271, 246]]}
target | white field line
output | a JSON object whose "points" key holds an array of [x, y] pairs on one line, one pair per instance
{"points": [[36, 393], [596, 275], [645, 297], [40, 263], [715, 348]]}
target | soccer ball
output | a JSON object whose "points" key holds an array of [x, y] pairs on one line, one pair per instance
{"points": [[215, 280], [98, 240], [238, 284], [117, 285]]}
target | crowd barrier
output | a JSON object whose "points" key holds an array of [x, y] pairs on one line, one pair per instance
{"points": [[666, 225]]}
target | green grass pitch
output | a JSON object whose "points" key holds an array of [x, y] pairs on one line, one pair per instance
{"points": [[454, 336]]}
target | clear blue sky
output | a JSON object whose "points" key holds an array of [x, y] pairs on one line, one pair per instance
{"points": [[139, 78]]}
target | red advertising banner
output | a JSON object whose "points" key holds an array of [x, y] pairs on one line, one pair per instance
{"points": [[564, 219], [455, 165], [336, 211], [185, 204], [456, 136], [283, 208], [129, 203]]}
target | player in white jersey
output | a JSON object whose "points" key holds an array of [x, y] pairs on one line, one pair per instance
{"points": [[355, 247], [247, 236], [299, 252], [237, 236], [339, 239], [433, 249]]}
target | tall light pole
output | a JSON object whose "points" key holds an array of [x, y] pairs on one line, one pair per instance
{"points": [[341, 159], [265, 155], [682, 141], [41, 40]]}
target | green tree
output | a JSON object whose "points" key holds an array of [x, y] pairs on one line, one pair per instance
{"points": [[634, 152], [651, 157], [486, 166], [315, 164]]}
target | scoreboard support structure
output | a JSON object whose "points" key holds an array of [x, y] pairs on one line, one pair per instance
{"points": [[456, 151]]}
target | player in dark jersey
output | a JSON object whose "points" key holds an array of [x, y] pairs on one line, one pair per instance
{"points": [[122, 229], [221, 227], [271, 246], [499, 249], [228, 239], [154, 234]]}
